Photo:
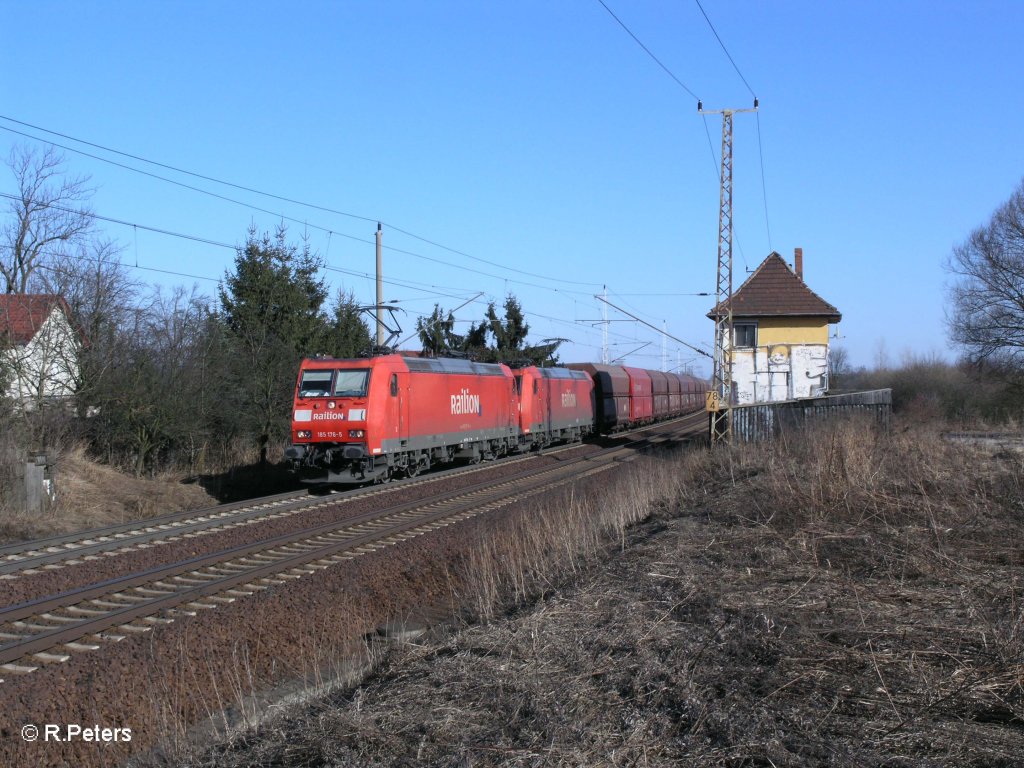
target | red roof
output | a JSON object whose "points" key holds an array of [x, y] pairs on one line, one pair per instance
{"points": [[774, 290], [22, 315]]}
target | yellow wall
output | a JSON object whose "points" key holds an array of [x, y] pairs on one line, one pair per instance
{"points": [[788, 330]]}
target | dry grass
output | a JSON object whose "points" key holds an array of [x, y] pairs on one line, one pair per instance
{"points": [[91, 495], [850, 599]]}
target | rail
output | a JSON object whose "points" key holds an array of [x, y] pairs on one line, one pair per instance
{"points": [[47, 629]]}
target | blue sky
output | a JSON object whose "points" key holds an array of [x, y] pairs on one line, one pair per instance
{"points": [[539, 137]]}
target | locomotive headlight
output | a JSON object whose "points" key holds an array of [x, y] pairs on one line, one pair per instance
{"points": [[303, 433], [356, 433]]}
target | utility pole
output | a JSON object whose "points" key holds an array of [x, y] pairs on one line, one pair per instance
{"points": [[720, 398], [380, 291], [664, 346], [604, 327]]}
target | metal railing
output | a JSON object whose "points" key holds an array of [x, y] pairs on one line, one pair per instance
{"points": [[766, 421]]}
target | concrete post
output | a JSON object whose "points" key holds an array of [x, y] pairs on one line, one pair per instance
{"points": [[38, 483]]}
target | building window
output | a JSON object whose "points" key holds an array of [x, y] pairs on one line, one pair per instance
{"points": [[745, 334]]}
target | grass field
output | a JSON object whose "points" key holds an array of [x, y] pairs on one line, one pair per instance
{"points": [[842, 598]]}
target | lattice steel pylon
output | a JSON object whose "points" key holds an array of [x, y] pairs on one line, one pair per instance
{"points": [[720, 398]]}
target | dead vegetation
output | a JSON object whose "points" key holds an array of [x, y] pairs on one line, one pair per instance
{"points": [[848, 599], [91, 495]]}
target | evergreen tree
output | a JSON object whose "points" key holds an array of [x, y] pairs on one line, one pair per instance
{"points": [[349, 335], [272, 305], [510, 333], [475, 344], [437, 334], [495, 339]]}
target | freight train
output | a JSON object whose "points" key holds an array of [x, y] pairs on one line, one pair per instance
{"points": [[368, 420]]}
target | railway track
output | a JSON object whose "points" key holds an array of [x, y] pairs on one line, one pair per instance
{"points": [[73, 548], [26, 558], [52, 629]]}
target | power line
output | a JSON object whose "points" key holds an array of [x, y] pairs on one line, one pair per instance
{"points": [[177, 183], [257, 192], [711, 147], [411, 285], [701, 293], [208, 241], [760, 150], [92, 215], [725, 49], [485, 274], [764, 190], [658, 330], [83, 257], [178, 170], [647, 50], [342, 234], [648, 315]]}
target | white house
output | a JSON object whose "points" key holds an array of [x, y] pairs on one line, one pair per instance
{"points": [[39, 349]]}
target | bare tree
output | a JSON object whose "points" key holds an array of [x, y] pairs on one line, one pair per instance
{"points": [[103, 299], [838, 364], [47, 215], [986, 312], [95, 283]]}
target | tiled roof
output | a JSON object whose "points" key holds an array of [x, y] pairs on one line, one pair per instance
{"points": [[774, 290], [22, 315]]}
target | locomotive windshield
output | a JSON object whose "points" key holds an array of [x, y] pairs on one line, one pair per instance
{"points": [[347, 383], [351, 383], [315, 383]]}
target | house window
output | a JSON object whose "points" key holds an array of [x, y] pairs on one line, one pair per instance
{"points": [[745, 334]]}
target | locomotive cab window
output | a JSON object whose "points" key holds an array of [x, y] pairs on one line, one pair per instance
{"points": [[394, 384], [745, 334], [315, 383], [351, 383]]}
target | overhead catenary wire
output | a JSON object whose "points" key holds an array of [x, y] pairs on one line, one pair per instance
{"points": [[252, 190], [764, 188], [729, 55], [670, 73], [350, 237], [410, 285], [658, 330], [329, 230], [113, 263], [647, 50], [122, 222], [760, 149], [185, 236]]}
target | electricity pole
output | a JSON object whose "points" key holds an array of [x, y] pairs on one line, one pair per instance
{"points": [[604, 328], [664, 346], [720, 398], [380, 291]]}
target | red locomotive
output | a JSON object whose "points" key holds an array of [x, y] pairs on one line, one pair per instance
{"points": [[368, 420], [555, 405]]}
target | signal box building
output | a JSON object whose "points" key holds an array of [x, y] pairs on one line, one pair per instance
{"points": [[779, 349]]}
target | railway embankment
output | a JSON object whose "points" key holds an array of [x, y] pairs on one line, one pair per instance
{"points": [[160, 672], [848, 598]]}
